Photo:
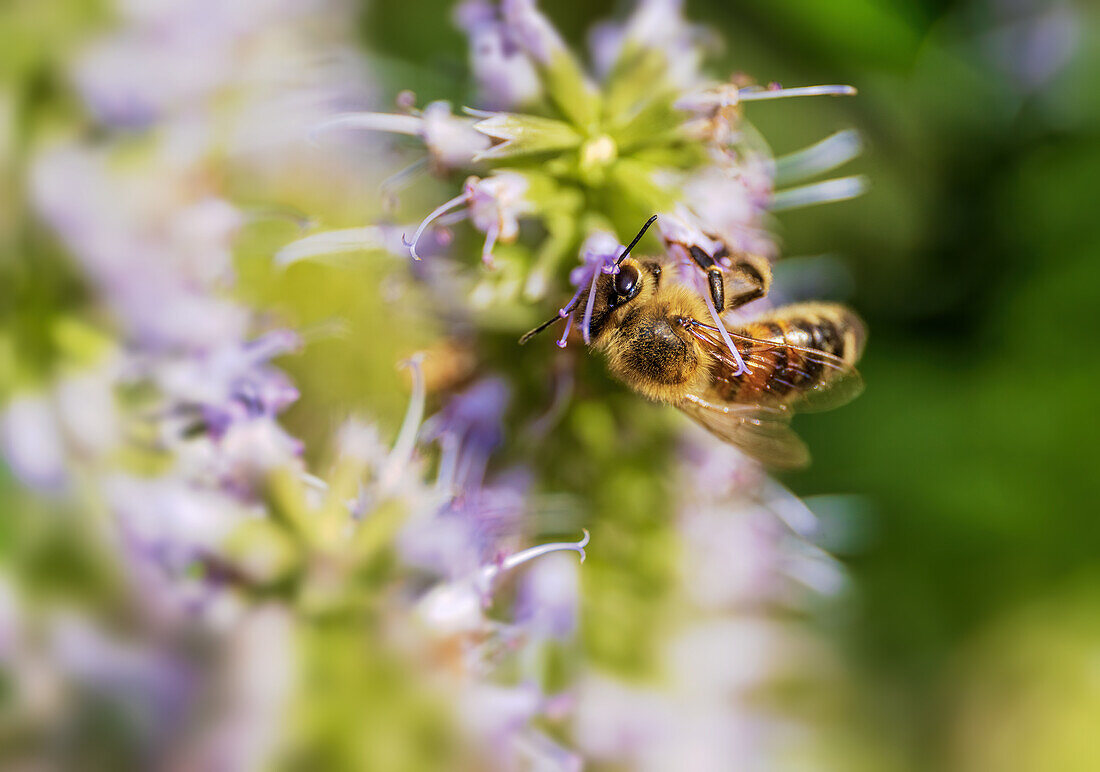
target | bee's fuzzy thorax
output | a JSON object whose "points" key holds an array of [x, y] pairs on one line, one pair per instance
{"points": [[644, 345]]}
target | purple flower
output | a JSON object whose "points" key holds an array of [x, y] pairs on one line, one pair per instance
{"points": [[259, 680], [32, 444], [732, 507], [468, 429], [458, 605], [549, 598], [732, 200], [532, 30], [171, 521], [506, 78], [494, 205], [76, 420], [654, 25], [598, 255], [171, 57], [464, 530], [160, 256], [229, 384]]}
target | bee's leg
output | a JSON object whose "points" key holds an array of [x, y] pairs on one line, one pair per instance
{"points": [[714, 277], [747, 279]]}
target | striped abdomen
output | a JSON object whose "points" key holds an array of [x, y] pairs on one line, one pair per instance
{"points": [[784, 365]]}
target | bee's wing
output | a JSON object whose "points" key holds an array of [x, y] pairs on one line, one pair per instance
{"points": [[761, 431], [835, 382]]}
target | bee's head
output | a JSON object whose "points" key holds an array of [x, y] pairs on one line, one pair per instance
{"points": [[629, 281], [635, 282]]}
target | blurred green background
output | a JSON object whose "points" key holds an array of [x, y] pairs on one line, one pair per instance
{"points": [[974, 630], [975, 259]]}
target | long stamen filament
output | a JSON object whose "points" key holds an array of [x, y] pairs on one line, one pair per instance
{"points": [[755, 93], [568, 328], [490, 242], [741, 368], [567, 309], [391, 122], [585, 331], [488, 573], [331, 242], [434, 215], [828, 154], [839, 189], [398, 181], [448, 462], [399, 457], [271, 345]]}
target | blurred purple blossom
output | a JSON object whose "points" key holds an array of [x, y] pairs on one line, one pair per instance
{"points": [[505, 76], [468, 429], [659, 25], [32, 443], [532, 30], [1031, 42]]}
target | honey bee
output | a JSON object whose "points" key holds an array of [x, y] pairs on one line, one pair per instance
{"points": [[799, 357]]}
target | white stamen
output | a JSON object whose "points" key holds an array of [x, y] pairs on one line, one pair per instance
{"points": [[741, 368], [399, 457], [815, 568], [271, 345], [490, 242], [314, 482], [331, 242], [448, 462], [391, 122], [826, 155], [791, 510], [488, 573], [452, 218], [435, 213], [398, 181], [456, 606], [838, 189], [755, 93]]}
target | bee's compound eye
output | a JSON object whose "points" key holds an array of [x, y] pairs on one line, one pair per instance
{"points": [[626, 281]]}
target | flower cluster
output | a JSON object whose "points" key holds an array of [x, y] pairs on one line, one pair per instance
{"points": [[334, 604], [576, 152], [227, 545], [585, 158]]}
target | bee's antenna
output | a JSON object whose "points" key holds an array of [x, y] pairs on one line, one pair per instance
{"points": [[637, 238], [576, 300], [555, 318]]}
